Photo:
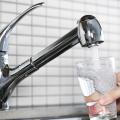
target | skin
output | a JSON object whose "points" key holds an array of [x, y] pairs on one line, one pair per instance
{"points": [[94, 97], [112, 95], [98, 109]]}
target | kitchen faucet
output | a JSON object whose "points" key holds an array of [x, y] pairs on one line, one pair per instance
{"points": [[88, 33]]}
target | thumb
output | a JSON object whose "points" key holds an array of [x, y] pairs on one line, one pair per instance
{"points": [[110, 96]]}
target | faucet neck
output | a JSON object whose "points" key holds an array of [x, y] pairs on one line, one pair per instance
{"points": [[4, 34], [4, 68]]}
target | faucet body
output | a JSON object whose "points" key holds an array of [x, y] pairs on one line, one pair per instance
{"points": [[88, 33]]}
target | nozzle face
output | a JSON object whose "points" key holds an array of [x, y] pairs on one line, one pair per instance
{"points": [[89, 31]]}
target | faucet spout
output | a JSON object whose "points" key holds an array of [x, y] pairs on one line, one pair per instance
{"points": [[4, 34], [88, 33]]}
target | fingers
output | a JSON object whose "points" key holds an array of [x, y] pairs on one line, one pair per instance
{"points": [[118, 78], [110, 96], [118, 105]]}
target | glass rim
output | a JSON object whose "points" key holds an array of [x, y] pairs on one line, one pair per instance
{"points": [[85, 59]]}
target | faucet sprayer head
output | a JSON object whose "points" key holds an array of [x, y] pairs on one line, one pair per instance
{"points": [[89, 31]]}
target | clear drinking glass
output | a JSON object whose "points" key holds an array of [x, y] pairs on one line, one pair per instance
{"points": [[96, 77]]}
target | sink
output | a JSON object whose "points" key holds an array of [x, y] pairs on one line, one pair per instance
{"points": [[45, 112]]}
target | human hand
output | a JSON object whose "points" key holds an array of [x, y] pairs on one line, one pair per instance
{"points": [[112, 95]]}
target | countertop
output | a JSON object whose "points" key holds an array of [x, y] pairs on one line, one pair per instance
{"points": [[45, 112]]}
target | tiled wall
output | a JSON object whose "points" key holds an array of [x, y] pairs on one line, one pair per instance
{"points": [[55, 83]]}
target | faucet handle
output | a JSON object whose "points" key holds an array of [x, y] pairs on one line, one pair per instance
{"points": [[5, 70]]}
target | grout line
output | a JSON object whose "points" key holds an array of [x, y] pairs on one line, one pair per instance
{"points": [[16, 57], [32, 55]]}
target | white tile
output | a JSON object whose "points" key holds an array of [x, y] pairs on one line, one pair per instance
{"points": [[79, 99], [53, 81], [113, 19], [24, 1], [54, 62], [66, 90], [24, 91], [26, 30], [14, 92], [103, 19], [78, 15], [21, 59], [36, 50], [66, 81], [66, 99], [12, 101], [65, 14], [113, 11], [102, 2], [52, 22], [52, 71], [38, 41], [64, 31], [24, 101], [12, 49], [78, 52], [39, 100], [12, 60], [66, 61], [24, 50], [7, 17], [67, 53], [76, 82], [12, 39], [53, 90], [39, 20], [52, 40], [90, 8], [92, 1], [39, 81], [10, 0], [8, 7], [21, 8], [66, 4], [39, 31], [66, 24], [53, 12], [113, 28], [26, 20], [102, 9], [112, 3], [54, 100], [41, 71], [53, 3], [36, 1], [40, 11], [77, 90], [53, 32], [66, 71], [24, 40], [78, 6], [39, 91], [26, 82]]}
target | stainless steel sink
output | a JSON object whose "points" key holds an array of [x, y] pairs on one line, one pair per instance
{"points": [[45, 112]]}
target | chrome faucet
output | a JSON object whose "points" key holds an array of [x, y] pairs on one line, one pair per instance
{"points": [[88, 33]]}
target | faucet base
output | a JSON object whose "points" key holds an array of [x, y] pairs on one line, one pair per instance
{"points": [[4, 106]]}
